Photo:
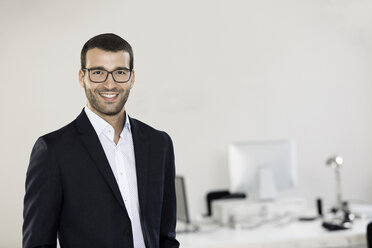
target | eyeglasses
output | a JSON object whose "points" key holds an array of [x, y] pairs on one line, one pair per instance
{"points": [[100, 75]]}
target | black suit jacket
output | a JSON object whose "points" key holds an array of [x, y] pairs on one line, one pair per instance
{"points": [[71, 190]]}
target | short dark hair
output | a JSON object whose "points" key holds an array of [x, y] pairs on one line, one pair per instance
{"points": [[108, 42]]}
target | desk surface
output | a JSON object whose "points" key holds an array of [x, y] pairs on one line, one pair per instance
{"points": [[295, 234]]}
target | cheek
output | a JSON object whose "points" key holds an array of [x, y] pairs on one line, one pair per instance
{"points": [[123, 89], [91, 88]]}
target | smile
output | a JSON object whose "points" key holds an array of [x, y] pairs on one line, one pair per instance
{"points": [[108, 96]]}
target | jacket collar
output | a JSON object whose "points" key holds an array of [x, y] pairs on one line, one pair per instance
{"points": [[142, 152]]}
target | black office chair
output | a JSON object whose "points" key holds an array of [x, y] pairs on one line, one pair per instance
{"points": [[369, 235], [221, 194]]}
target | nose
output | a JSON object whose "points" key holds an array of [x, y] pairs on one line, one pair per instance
{"points": [[110, 83]]}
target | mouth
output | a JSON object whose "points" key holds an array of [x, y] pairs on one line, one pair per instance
{"points": [[109, 96]]}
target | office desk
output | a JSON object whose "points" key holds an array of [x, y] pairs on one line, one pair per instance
{"points": [[295, 234]]}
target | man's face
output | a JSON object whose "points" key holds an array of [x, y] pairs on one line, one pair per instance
{"points": [[99, 95]]}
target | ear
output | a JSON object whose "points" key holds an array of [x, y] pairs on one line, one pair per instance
{"points": [[81, 78], [132, 79]]}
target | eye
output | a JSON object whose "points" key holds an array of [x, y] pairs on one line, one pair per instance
{"points": [[97, 72], [121, 72]]}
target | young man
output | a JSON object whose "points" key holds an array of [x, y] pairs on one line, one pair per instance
{"points": [[105, 180]]}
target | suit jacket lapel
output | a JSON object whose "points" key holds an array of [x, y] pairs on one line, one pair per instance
{"points": [[142, 156], [91, 142]]}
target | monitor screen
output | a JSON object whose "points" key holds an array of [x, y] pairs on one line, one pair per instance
{"points": [[182, 211], [264, 165]]}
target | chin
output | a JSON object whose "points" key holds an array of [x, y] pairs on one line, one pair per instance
{"points": [[111, 113], [109, 109]]}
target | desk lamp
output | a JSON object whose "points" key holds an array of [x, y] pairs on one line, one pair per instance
{"points": [[342, 218], [335, 163]]}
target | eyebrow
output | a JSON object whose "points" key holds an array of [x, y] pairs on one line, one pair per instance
{"points": [[103, 68]]}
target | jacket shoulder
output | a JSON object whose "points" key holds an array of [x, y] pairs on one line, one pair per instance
{"points": [[148, 130], [60, 134]]}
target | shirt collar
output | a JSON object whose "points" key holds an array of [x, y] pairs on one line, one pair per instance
{"points": [[99, 124]]}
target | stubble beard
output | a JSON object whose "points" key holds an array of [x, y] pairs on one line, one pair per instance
{"points": [[102, 108]]}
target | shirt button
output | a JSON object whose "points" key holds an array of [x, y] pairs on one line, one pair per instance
{"points": [[121, 173]]}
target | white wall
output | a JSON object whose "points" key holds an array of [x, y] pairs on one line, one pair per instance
{"points": [[208, 73]]}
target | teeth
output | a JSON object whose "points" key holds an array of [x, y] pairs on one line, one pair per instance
{"points": [[109, 95]]}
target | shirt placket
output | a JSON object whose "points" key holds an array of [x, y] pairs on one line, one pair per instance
{"points": [[122, 177]]}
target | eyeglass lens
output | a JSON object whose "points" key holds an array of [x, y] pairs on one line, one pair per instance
{"points": [[98, 75]]}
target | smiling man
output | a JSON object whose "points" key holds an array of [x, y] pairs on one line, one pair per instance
{"points": [[105, 180]]}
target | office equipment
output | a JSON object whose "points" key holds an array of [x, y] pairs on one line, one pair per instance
{"points": [[340, 217], [221, 194], [319, 212], [261, 169], [214, 195], [369, 235], [242, 213], [182, 207], [319, 207], [335, 163]]}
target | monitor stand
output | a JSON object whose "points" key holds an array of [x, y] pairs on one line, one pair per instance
{"points": [[267, 187]]}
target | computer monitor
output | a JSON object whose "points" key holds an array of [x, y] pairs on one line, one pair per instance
{"points": [[262, 169], [182, 210]]}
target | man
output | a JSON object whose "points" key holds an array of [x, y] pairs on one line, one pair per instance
{"points": [[105, 180]]}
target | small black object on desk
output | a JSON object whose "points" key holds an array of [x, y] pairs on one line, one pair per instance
{"points": [[221, 194]]}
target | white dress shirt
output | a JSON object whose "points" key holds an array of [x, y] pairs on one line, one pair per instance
{"points": [[122, 161]]}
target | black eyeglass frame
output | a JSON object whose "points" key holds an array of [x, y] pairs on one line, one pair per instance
{"points": [[108, 72]]}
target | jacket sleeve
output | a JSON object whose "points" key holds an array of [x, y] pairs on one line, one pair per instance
{"points": [[43, 198], [169, 209]]}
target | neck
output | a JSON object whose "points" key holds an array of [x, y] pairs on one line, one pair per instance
{"points": [[116, 121]]}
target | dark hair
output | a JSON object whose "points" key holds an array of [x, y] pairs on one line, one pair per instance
{"points": [[108, 42]]}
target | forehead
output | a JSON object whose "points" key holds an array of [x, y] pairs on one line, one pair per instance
{"points": [[110, 60]]}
